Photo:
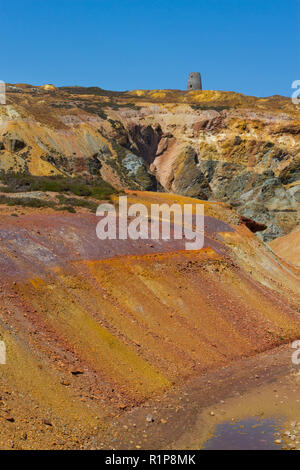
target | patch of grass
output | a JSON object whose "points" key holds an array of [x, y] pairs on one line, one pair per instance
{"points": [[23, 182]]}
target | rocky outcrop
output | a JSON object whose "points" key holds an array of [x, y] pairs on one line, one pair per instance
{"points": [[206, 144]]}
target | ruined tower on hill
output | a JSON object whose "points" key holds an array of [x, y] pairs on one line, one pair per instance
{"points": [[194, 81]]}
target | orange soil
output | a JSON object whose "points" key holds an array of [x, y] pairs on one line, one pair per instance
{"points": [[288, 247], [90, 333]]}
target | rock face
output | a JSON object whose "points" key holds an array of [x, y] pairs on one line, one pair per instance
{"points": [[206, 144], [194, 81]]}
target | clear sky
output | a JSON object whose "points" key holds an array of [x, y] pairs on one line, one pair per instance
{"points": [[248, 46]]}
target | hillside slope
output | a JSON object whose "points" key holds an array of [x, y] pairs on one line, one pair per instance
{"points": [[207, 144]]}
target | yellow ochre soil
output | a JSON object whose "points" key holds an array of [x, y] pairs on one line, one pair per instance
{"points": [[95, 330]]}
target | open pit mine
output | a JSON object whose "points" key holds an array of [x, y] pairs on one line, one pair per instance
{"points": [[138, 344]]}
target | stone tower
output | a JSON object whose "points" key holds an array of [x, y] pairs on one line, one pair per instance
{"points": [[194, 81]]}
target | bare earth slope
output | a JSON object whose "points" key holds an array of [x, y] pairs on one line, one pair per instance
{"points": [[94, 328], [208, 144], [288, 247]]}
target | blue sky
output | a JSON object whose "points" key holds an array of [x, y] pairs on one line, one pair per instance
{"points": [[248, 46]]}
